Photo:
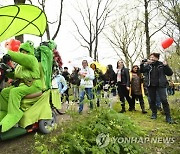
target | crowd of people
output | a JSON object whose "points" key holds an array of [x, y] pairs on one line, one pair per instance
{"points": [[131, 85]]}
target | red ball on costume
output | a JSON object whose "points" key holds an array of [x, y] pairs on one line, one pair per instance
{"points": [[167, 43], [13, 45]]}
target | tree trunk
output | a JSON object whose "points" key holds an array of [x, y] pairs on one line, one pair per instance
{"points": [[90, 50], [127, 61], [20, 38], [19, 1], [95, 50], [146, 15], [48, 32]]}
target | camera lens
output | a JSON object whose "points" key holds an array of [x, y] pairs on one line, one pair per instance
{"points": [[144, 60]]}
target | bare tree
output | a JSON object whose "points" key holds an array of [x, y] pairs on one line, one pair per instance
{"points": [[126, 39], [94, 20], [170, 10], [42, 3], [151, 12]]}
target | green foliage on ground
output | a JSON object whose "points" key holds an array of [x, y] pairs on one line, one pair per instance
{"points": [[81, 135]]}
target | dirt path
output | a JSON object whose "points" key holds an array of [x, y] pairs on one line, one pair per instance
{"points": [[23, 144]]}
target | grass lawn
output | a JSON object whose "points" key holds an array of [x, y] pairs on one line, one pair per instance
{"points": [[158, 128]]}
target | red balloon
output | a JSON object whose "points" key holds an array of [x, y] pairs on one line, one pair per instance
{"points": [[167, 43], [13, 45]]}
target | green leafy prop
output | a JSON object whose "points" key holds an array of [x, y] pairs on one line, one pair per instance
{"points": [[21, 19]]}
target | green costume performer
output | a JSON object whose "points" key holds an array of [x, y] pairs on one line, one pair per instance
{"points": [[28, 72]]}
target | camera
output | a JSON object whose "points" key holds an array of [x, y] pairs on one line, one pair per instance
{"points": [[144, 60]]}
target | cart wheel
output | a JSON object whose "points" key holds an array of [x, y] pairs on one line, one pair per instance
{"points": [[46, 126]]}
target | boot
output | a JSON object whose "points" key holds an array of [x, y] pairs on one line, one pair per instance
{"points": [[123, 109], [144, 112], [169, 120], [154, 116], [143, 108], [132, 109]]}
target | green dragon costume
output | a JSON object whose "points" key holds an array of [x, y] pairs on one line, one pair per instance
{"points": [[28, 72]]}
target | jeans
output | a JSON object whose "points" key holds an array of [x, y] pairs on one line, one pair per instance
{"points": [[89, 93], [158, 102], [163, 99], [66, 95]]}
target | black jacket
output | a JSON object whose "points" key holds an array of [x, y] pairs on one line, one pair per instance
{"points": [[163, 70], [125, 78], [74, 78], [66, 75], [98, 81], [110, 78]]}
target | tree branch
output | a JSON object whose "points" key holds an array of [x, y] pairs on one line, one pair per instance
{"points": [[59, 24]]}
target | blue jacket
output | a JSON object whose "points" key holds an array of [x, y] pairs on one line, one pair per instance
{"points": [[60, 83]]}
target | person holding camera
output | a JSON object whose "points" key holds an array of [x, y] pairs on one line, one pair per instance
{"points": [[156, 72]]}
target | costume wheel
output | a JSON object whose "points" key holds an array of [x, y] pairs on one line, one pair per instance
{"points": [[47, 125]]}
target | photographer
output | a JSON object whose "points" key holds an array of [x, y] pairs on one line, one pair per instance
{"points": [[156, 72]]}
